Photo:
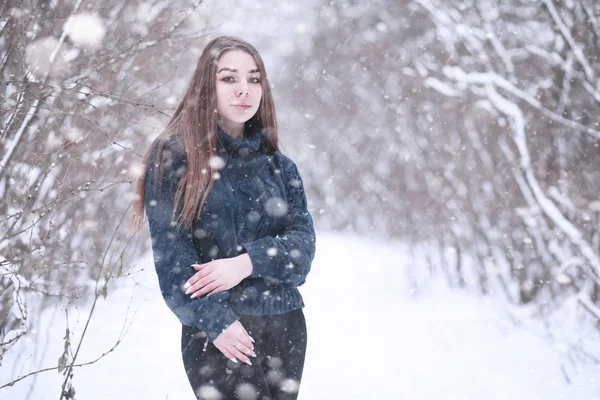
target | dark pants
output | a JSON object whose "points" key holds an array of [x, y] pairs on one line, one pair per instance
{"points": [[276, 370]]}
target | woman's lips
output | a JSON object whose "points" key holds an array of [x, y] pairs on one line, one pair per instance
{"points": [[242, 106]]}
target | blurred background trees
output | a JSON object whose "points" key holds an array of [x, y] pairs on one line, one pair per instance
{"points": [[79, 103], [469, 129]]}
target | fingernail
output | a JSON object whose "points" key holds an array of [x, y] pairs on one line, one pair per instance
{"points": [[193, 295], [187, 285], [234, 360], [252, 339], [248, 362], [253, 354]]}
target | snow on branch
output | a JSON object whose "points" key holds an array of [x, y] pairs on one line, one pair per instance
{"points": [[589, 305], [548, 207], [441, 87], [564, 30], [12, 145], [491, 78]]}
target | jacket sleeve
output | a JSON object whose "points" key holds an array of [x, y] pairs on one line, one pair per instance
{"points": [[287, 257], [173, 247]]}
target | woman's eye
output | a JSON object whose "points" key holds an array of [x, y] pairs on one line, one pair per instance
{"points": [[254, 80], [228, 79]]}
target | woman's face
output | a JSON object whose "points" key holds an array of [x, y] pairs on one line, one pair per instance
{"points": [[238, 87]]}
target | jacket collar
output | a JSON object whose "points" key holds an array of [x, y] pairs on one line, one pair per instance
{"points": [[244, 146]]}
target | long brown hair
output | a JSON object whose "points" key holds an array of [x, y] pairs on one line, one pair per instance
{"points": [[195, 122]]}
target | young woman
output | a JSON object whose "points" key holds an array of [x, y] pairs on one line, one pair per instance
{"points": [[231, 233]]}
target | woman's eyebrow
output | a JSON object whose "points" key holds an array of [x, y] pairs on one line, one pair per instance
{"points": [[252, 71]]}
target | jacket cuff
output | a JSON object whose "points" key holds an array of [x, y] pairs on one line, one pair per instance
{"points": [[220, 318], [257, 251]]}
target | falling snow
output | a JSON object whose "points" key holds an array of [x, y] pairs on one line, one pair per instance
{"points": [[85, 30], [466, 131]]}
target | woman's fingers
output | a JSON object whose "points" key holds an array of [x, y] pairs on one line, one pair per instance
{"points": [[217, 290], [246, 340], [245, 349], [201, 284], [205, 289], [226, 353], [204, 281], [239, 355], [191, 288], [203, 273], [235, 353], [235, 343], [244, 344]]}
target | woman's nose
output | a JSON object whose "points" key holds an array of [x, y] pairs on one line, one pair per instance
{"points": [[242, 90]]}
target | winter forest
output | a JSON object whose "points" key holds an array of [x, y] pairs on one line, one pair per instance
{"points": [[459, 139]]}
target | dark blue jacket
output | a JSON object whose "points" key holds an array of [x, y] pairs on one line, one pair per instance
{"points": [[257, 205]]}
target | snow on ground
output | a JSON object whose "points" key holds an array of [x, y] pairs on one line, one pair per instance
{"points": [[368, 338]]}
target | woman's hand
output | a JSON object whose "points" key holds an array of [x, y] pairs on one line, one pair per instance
{"points": [[235, 343], [219, 275]]}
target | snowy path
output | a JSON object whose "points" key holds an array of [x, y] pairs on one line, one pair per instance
{"points": [[367, 339]]}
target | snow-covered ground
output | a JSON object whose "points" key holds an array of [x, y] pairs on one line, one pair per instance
{"points": [[368, 338]]}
